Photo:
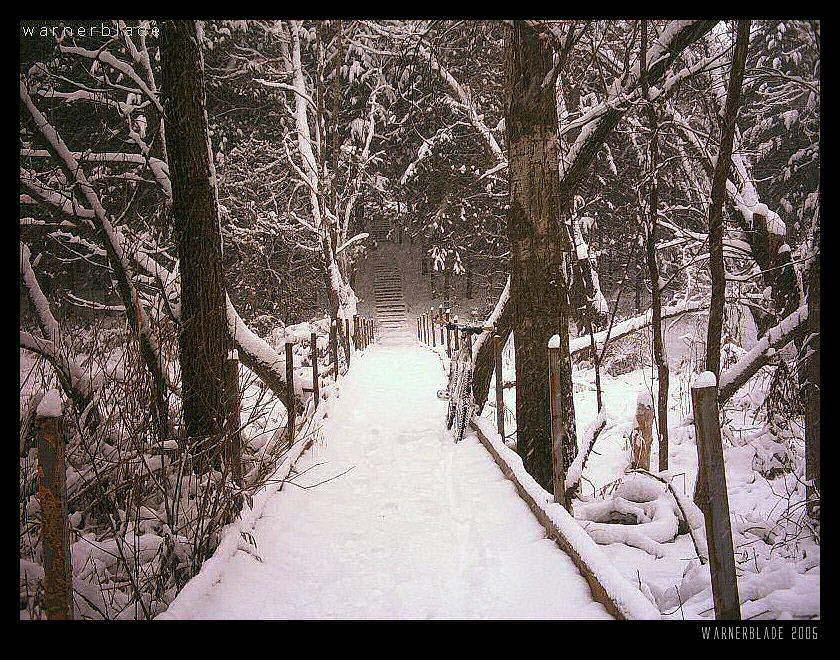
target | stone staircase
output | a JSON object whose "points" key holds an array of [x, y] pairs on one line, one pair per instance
{"points": [[380, 230], [389, 302]]}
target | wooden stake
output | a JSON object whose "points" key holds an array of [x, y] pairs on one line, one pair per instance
{"points": [[500, 391], [334, 346], [347, 334], [233, 422], [291, 413], [313, 355], [558, 430], [457, 337], [52, 497], [448, 337], [718, 527]]}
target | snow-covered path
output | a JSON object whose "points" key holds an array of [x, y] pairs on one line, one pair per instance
{"points": [[418, 528]]}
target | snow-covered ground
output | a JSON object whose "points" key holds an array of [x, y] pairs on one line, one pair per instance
{"points": [[387, 518], [777, 559]]}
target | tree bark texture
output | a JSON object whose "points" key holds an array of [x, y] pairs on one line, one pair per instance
{"points": [[538, 286], [203, 338]]}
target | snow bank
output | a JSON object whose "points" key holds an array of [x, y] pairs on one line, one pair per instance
{"points": [[233, 535]]}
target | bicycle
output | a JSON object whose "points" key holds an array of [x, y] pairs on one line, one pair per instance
{"points": [[459, 388]]}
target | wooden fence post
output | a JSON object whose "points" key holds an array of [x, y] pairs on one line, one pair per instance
{"points": [[356, 331], [347, 334], [448, 337], [334, 346], [704, 397], [291, 413], [432, 330], [558, 430], [52, 497], [316, 383], [442, 329], [233, 422], [500, 391], [457, 336]]}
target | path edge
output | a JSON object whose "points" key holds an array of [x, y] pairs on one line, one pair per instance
{"points": [[212, 569], [621, 598]]}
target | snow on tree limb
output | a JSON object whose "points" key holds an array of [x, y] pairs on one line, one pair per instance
{"points": [[159, 168], [633, 324], [76, 383], [760, 355], [114, 244], [599, 121]]}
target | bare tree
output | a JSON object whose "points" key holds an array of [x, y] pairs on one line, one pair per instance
{"points": [[660, 359], [718, 194]]}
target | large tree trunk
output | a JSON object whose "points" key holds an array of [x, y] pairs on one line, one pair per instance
{"points": [[716, 267], [538, 286], [659, 356], [203, 338]]}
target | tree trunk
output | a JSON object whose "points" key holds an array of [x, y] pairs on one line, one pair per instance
{"points": [[538, 286], [716, 265], [811, 388], [718, 194], [203, 339], [659, 357]]}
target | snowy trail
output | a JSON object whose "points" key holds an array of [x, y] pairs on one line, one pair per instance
{"points": [[418, 528]]}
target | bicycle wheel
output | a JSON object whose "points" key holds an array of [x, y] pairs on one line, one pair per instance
{"points": [[465, 403]]}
